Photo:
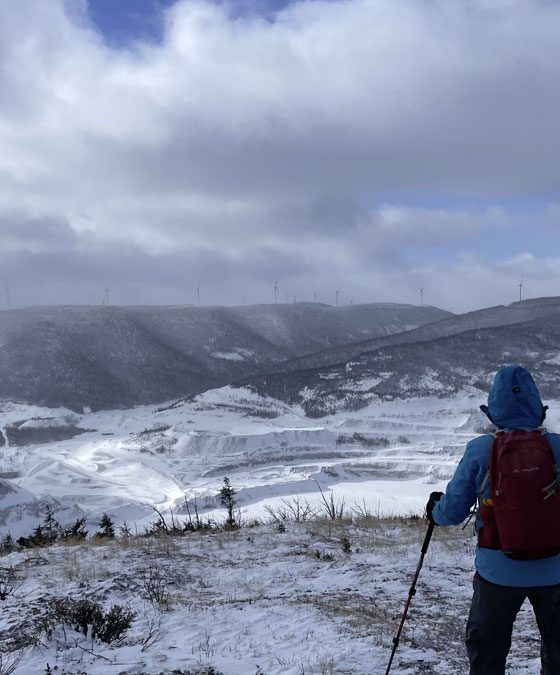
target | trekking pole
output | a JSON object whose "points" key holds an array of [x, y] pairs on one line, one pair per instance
{"points": [[411, 594]]}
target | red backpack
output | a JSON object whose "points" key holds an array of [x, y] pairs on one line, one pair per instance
{"points": [[522, 515]]}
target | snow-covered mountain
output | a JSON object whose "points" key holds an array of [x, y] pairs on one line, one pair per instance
{"points": [[451, 356], [116, 357], [491, 317]]}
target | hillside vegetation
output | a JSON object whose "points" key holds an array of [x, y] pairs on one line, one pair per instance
{"points": [[118, 357]]}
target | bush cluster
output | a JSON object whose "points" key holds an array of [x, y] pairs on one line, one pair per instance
{"points": [[50, 531], [85, 615]]}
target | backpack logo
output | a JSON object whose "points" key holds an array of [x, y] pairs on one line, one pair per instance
{"points": [[522, 515]]}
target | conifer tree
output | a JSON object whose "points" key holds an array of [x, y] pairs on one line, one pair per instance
{"points": [[37, 537], [107, 528], [7, 544], [228, 501], [51, 528]]}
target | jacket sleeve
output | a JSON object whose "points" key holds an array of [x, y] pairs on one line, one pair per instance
{"points": [[462, 490]]}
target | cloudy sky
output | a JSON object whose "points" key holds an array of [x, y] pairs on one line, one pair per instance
{"points": [[365, 146]]}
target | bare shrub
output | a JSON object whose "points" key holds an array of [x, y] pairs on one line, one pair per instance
{"points": [[153, 632], [296, 509], [8, 582], [9, 662], [155, 584], [193, 522], [361, 510], [333, 508]]}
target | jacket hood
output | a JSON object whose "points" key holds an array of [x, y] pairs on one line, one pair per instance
{"points": [[514, 401]]}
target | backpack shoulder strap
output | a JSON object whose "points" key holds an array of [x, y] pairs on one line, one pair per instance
{"points": [[484, 483]]}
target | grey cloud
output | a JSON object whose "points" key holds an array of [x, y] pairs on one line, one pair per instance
{"points": [[244, 151], [21, 231]]}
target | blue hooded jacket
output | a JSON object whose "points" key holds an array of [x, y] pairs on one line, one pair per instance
{"points": [[513, 403]]}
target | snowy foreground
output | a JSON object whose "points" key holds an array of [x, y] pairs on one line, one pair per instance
{"points": [[321, 597], [252, 602]]}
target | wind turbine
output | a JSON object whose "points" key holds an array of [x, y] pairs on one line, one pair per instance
{"points": [[7, 297], [336, 293], [275, 291], [521, 287], [422, 295], [197, 289]]}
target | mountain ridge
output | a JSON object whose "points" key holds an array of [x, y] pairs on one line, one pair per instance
{"points": [[435, 366], [117, 357]]}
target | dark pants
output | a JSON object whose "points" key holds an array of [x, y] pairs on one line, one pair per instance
{"points": [[490, 624]]}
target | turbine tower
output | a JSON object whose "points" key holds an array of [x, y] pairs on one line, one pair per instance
{"points": [[197, 289], [422, 295], [275, 291], [7, 297], [336, 293], [521, 287]]}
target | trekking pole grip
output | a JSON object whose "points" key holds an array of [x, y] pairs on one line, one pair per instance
{"points": [[427, 538]]}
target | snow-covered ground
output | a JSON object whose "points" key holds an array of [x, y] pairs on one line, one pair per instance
{"points": [[254, 601], [388, 456]]}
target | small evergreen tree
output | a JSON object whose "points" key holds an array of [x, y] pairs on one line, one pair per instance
{"points": [[51, 529], [107, 530], [37, 537], [76, 531], [8, 544], [228, 501]]}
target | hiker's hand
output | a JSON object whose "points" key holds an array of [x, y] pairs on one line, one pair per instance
{"points": [[432, 501]]}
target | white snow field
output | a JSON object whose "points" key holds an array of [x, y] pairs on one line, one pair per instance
{"points": [[255, 601], [388, 456]]}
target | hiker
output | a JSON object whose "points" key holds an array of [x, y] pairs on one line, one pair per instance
{"points": [[513, 475]]}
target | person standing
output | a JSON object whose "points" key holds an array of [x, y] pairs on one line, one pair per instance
{"points": [[513, 475]]}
